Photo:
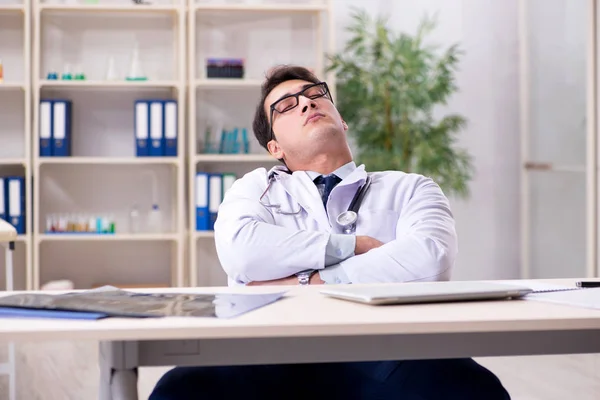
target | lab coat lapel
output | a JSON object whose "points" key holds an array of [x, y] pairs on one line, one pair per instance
{"points": [[303, 190], [358, 175]]}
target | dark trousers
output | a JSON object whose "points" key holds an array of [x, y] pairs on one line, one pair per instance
{"points": [[460, 379]]}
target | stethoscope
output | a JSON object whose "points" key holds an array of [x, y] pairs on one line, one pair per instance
{"points": [[346, 220]]}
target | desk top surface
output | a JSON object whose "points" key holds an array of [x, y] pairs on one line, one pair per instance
{"points": [[304, 312]]}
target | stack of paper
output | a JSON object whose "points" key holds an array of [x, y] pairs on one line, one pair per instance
{"points": [[538, 286], [561, 294]]}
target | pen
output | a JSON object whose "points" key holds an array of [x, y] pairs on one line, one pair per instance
{"points": [[588, 284]]}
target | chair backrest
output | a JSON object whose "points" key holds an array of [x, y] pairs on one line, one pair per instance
{"points": [[8, 233]]}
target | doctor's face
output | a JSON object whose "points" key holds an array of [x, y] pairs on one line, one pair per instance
{"points": [[303, 119]]}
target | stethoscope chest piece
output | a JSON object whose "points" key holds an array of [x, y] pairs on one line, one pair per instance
{"points": [[347, 220]]}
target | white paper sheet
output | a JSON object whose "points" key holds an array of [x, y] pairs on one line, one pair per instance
{"points": [[584, 298], [536, 285]]}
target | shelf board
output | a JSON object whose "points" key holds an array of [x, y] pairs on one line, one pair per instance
{"points": [[285, 8], [107, 160], [22, 239], [132, 237], [12, 161], [11, 86], [103, 8], [121, 84], [203, 234], [235, 158], [12, 8], [228, 83]]}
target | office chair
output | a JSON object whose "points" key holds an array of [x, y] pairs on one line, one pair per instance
{"points": [[8, 235]]}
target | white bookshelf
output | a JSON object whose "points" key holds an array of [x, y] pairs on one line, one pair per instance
{"points": [[258, 7], [13, 7], [11, 86], [109, 160], [15, 126], [108, 85], [216, 83], [109, 7], [148, 237], [103, 176], [263, 33]]}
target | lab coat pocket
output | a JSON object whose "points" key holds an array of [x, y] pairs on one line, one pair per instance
{"points": [[379, 224]]}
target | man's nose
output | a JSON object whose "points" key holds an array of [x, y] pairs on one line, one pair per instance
{"points": [[307, 104]]}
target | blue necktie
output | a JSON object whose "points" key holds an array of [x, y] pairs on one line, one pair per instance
{"points": [[325, 184]]}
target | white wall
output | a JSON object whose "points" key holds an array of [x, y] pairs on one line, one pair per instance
{"points": [[488, 222]]}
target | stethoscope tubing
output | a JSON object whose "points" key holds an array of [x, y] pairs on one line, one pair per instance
{"points": [[354, 205]]}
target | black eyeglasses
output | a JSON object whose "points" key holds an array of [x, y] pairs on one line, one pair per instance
{"points": [[291, 101]]}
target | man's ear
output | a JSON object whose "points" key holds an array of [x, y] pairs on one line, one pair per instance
{"points": [[345, 125], [275, 149]]}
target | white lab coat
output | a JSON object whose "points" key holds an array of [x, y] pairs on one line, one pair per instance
{"points": [[408, 212]]}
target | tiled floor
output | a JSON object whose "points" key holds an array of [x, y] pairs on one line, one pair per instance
{"points": [[64, 371]]}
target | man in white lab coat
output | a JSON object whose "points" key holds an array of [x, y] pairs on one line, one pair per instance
{"points": [[283, 227]]}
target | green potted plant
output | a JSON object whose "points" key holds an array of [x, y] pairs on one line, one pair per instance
{"points": [[389, 86]]}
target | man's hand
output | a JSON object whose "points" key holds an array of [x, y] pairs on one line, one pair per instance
{"points": [[366, 243], [315, 279]]}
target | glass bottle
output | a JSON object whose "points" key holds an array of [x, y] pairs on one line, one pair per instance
{"points": [[134, 219]]}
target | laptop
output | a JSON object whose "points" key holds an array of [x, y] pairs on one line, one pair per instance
{"points": [[427, 292]]}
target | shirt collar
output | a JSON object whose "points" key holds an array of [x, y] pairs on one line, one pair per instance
{"points": [[342, 172]]}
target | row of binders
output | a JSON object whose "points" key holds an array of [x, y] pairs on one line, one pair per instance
{"points": [[55, 128], [210, 190], [155, 125], [156, 128], [12, 201]]}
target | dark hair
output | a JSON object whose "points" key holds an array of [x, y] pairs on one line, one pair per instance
{"points": [[278, 75]]}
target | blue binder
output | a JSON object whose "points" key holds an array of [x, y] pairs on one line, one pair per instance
{"points": [[170, 117], [45, 128], [3, 200], [15, 188], [157, 129], [141, 124], [18, 312], [61, 128], [202, 215], [215, 197]]}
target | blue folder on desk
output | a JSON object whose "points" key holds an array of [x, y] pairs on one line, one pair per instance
{"points": [[8, 312]]}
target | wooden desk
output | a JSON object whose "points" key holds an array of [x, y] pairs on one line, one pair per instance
{"points": [[309, 327]]}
